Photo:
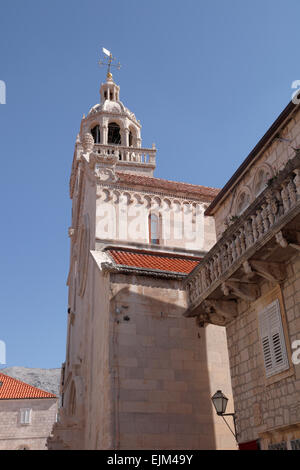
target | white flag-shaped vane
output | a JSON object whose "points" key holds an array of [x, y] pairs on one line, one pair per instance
{"points": [[106, 51]]}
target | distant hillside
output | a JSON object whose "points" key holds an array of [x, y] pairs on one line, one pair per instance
{"points": [[46, 379]]}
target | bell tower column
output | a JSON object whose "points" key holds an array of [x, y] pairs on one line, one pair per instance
{"points": [[126, 137], [104, 133]]}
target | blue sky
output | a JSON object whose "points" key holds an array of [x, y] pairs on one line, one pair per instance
{"points": [[206, 79]]}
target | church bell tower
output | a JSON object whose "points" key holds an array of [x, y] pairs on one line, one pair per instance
{"points": [[137, 374]]}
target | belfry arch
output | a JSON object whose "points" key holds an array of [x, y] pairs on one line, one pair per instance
{"points": [[114, 134]]}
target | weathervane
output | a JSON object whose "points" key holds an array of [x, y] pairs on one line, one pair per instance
{"points": [[108, 62]]}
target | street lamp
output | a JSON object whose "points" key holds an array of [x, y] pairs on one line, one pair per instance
{"points": [[220, 403]]}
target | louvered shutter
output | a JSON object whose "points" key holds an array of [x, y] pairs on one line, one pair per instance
{"points": [[272, 339]]}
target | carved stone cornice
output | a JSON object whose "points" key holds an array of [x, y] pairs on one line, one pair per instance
{"points": [[105, 188]]}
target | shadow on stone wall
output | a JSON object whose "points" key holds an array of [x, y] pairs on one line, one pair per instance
{"points": [[159, 361]]}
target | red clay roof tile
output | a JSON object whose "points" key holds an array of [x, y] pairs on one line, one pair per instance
{"points": [[12, 389], [157, 261], [158, 183]]}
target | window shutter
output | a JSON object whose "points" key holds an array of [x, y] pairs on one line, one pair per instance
{"points": [[272, 338]]}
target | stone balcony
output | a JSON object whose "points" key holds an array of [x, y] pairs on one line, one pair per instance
{"points": [[268, 230], [129, 155]]}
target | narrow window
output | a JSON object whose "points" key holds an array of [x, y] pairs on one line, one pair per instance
{"points": [[154, 229], [25, 416], [130, 139], [272, 339], [96, 134], [114, 136]]}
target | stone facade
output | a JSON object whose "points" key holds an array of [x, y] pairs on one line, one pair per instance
{"points": [[254, 267], [33, 436], [267, 409]]}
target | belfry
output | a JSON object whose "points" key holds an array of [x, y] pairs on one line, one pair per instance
{"points": [[137, 374]]}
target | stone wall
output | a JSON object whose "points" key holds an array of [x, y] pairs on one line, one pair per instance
{"points": [[14, 435], [165, 370], [266, 408]]}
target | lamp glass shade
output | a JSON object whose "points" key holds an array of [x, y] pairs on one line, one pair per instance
{"points": [[220, 402]]}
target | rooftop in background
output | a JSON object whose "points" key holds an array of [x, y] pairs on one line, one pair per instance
{"points": [[157, 183], [13, 389], [148, 260]]}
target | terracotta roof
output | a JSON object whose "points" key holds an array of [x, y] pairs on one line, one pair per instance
{"points": [[13, 389], [158, 183], [153, 260]]}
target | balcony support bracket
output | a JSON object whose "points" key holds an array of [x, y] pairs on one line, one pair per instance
{"points": [[274, 272], [244, 291]]}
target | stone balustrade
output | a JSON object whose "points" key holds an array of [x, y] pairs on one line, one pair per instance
{"points": [[261, 221], [128, 154]]}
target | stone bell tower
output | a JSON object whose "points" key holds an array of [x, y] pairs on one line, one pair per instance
{"points": [[116, 131], [137, 375]]}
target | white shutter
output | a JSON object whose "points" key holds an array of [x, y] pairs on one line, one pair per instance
{"points": [[272, 338]]}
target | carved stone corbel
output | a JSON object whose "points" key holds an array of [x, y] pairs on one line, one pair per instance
{"points": [[281, 240], [274, 272], [248, 292], [225, 308], [201, 319], [213, 318]]}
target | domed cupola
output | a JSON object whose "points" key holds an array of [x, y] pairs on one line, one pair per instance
{"points": [[116, 130]]}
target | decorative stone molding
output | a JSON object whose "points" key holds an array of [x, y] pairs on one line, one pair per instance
{"points": [[150, 200], [87, 142]]}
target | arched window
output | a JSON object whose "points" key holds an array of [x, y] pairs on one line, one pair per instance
{"points": [[243, 203], [130, 139], [114, 136], [154, 229], [96, 134]]}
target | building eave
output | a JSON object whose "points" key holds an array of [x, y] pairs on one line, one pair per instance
{"points": [[255, 153]]}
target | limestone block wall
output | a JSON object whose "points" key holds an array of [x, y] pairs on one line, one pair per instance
{"points": [[14, 435], [164, 369], [270, 162], [264, 404]]}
